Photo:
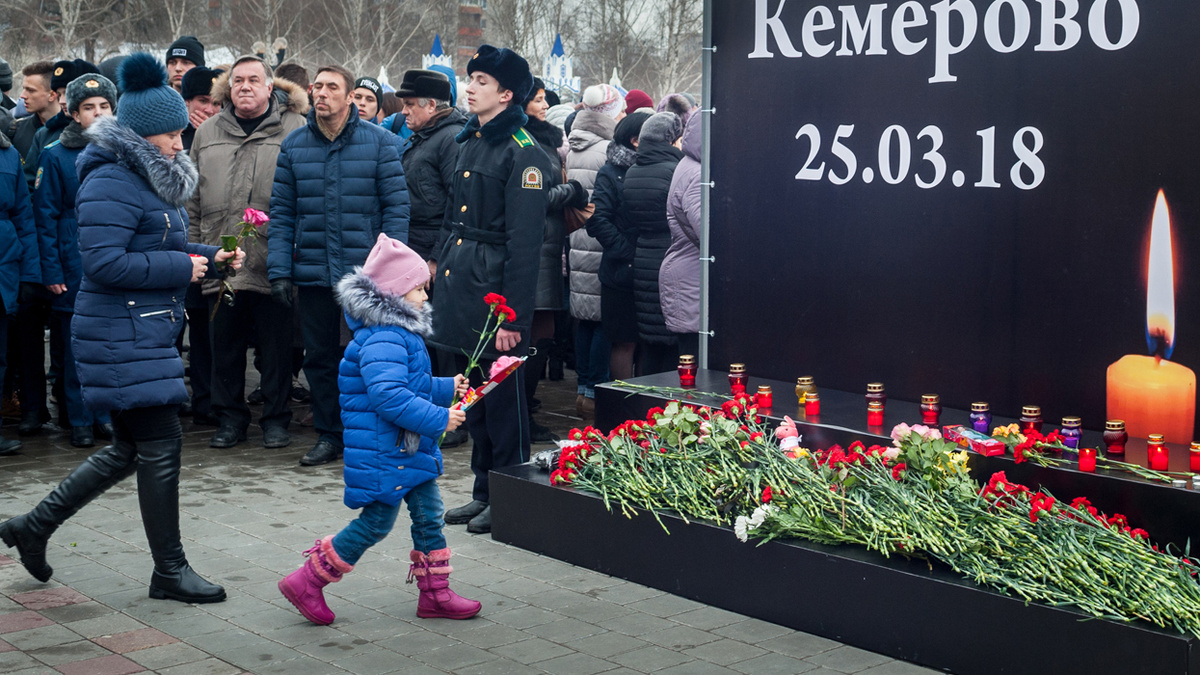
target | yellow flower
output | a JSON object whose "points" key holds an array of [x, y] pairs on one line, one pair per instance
{"points": [[1006, 431]]}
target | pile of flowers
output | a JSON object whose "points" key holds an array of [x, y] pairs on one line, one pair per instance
{"points": [[915, 498]]}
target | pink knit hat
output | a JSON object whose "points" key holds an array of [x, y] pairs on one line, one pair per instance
{"points": [[395, 268]]}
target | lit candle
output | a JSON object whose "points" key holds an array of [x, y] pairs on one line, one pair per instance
{"points": [[764, 397], [1194, 458], [1115, 437], [737, 378], [1071, 432], [1031, 418], [875, 414], [1151, 393], [812, 404], [981, 417], [687, 370], [931, 409], [1157, 453], [1087, 459], [803, 386], [875, 393]]}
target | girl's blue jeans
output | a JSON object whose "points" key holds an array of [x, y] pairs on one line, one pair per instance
{"points": [[375, 521]]}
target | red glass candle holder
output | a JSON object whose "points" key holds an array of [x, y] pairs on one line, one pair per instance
{"points": [[803, 386], [931, 409], [875, 393], [1115, 437], [687, 370], [764, 397], [1157, 456], [1031, 418], [875, 414], [737, 378], [812, 404], [1194, 458], [1087, 459]]}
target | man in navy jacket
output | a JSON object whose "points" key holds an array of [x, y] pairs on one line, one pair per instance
{"points": [[338, 184]]}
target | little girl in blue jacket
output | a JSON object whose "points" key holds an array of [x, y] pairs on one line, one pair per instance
{"points": [[393, 411]]}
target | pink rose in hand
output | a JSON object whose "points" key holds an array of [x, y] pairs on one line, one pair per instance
{"points": [[255, 217], [502, 363]]}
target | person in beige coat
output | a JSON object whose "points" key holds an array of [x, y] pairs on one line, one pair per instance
{"points": [[235, 152]]}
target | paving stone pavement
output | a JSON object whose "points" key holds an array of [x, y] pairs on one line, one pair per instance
{"points": [[247, 512]]}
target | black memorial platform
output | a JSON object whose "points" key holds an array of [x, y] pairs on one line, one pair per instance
{"points": [[900, 608]]}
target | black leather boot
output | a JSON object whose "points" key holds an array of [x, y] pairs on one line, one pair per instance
{"points": [[29, 533], [158, 497]]}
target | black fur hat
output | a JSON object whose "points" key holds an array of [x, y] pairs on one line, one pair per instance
{"points": [[424, 84], [509, 69], [66, 71]]}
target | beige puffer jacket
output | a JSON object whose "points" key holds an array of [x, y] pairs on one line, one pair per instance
{"points": [[236, 172], [590, 135]]}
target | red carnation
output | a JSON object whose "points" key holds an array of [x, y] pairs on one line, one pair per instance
{"points": [[898, 469], [506, 313], [767, 494], [494, 299]]}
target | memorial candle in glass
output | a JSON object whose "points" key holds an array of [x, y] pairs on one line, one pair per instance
{"points": [[764, 397], [812, 404], [687, 370], [875, 393], [1071, 432], [803, 386], [1194, 458], [931, 409], [737, 378], [981, 417], [1031, 418], [1115, 437], [875, 414], [1156, 452], [1087, 459]]}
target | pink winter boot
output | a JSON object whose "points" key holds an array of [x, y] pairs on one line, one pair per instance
{"points": [[433, 578], [303, 587]]}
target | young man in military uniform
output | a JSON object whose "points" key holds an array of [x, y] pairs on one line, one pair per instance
{"points": [[492, 235]]}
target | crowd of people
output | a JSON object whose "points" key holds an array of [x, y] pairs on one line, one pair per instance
{"points": [[390, 215]]}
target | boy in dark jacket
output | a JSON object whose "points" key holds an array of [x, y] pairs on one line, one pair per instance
{"points": [[88, 98], [393, 411]]}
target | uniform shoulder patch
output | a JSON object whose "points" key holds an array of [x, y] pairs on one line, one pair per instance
{"points": [[37, 182], [531, 178], [523, 138]]}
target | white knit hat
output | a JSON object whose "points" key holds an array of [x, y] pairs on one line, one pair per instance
{"points": [[604, 99]]}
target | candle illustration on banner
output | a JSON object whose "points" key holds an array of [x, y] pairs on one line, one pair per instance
{"points": [[1151, 393]]}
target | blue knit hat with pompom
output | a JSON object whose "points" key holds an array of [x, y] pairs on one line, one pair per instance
{"points": [[149, 106]]}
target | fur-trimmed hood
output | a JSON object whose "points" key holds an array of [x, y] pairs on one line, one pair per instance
{"points": [[367, 306], [173, 180], [621, 156], [546, 134], [297, 98], [499, 129], [590, 128]]}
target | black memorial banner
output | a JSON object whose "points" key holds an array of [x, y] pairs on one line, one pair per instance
{"points": [[953, 197]]}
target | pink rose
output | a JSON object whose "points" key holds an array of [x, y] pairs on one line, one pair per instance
{"points": [[901, 431], [255, 217], [502, 363]]}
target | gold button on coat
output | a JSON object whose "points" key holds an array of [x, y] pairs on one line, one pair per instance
{"points": [[464, 208], [459, 243], [466, 174], [447, 272], [478, 135]]}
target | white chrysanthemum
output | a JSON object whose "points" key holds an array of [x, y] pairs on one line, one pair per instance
{"points": [[739, 528]]}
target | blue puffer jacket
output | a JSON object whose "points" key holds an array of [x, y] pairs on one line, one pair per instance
{"points": [[331, 199], [134, 244], [18, 238], [54, 192], [387, 389]]}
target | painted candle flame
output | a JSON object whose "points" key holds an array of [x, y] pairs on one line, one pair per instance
{"points": [[1160, 288]]}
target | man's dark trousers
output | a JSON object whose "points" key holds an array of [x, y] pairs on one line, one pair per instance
{"points": [[321, 324], [499, 427], [270, 324]]}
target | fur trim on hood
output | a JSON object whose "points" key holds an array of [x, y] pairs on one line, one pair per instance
{"points": [[173, 180], [364, 302], [621, 156], [297, 98], [546, 134]]}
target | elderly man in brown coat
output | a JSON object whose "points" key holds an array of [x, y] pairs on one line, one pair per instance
{"points": [[235, 152]]}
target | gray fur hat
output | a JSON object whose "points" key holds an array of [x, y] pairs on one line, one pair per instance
{"points": [[86, 86], [663, 127]]}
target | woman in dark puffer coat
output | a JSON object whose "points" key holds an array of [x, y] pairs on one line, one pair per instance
{"points": [[137, 264], [611, 228], [647, 185]]}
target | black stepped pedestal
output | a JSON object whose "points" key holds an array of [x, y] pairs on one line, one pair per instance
{"points": [[903, 609]]}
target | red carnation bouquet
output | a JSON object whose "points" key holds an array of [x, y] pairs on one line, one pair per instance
{"points": [[498, 313]]}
